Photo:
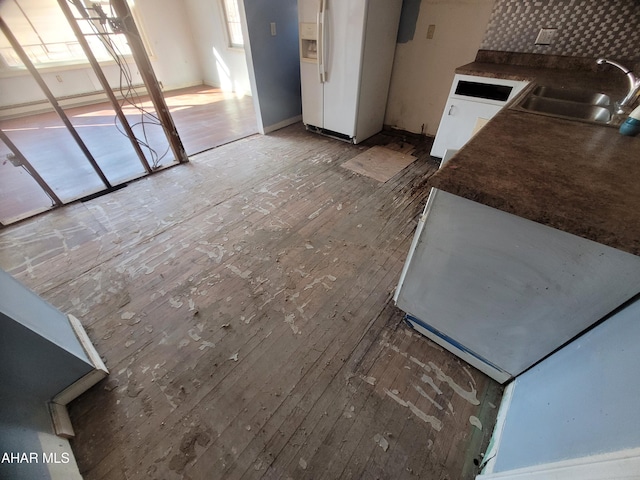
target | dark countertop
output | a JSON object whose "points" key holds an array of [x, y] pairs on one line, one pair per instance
{"points": [[577, 177]]}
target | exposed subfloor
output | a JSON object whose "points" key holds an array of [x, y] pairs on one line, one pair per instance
{"points": [[243, 304]]}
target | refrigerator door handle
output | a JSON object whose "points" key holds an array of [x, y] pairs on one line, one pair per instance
{"points": [[321, 34]]}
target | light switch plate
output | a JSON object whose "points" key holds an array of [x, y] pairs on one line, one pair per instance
{"points": [[273, 29], [546, 36]]}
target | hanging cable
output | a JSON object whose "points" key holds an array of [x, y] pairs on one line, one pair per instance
{"points": [[127, 89], [132, 94]]}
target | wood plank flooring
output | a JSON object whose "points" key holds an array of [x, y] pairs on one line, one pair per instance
{"points": [[242, 303], [205, 117]]}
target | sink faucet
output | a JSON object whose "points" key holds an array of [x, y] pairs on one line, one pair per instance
{"points": [[634, 84]]}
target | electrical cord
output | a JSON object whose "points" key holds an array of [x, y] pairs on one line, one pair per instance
{"points": [[132, 95], [128, 91]]}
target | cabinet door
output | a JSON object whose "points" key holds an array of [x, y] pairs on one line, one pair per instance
{"points": [[457, 123]]}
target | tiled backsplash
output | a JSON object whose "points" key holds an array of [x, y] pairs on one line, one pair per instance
{"points": [[586, 28]]}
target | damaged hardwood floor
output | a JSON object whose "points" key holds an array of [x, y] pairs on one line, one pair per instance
{"points": [[242, 304]]}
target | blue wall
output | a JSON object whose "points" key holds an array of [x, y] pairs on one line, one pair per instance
{"points": [[25, 307], [275, 59], [581, 401], [40, 356]]}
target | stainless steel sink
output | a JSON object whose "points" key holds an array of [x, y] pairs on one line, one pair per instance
{"points": [[579, 111], [572, 104], [570, 95]]}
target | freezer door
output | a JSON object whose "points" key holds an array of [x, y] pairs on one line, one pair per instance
{"points": [[312, 89], [342, 50], [312, 95]]}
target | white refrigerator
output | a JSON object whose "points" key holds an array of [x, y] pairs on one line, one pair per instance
{"points": [[346, 55]]}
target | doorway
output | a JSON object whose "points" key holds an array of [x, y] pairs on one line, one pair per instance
{"points": [[71, 143]]}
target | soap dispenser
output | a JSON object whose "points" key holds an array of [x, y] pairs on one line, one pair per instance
{"points": [[631, 125]]}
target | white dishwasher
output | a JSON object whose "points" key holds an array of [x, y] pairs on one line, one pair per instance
{"points": [[471, 98]]}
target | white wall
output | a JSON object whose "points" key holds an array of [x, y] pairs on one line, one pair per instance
{"points": [[176, 64], [423, 68], [221, 65], [18, 89], [168, 30]]}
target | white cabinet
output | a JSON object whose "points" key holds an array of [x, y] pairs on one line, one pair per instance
{"points": [[458, 122], [471, 99]]}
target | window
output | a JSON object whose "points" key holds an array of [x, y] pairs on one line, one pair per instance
{"points": [[232, 21], [42, 30]]}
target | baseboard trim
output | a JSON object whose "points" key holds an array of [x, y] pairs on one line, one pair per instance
{"points": [[42, 106], [61, 420], [58, 405], [80, 386], [84, 340], [79, 100]]}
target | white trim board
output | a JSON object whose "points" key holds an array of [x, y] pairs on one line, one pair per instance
{"points": [[58, 405], [496, 436], [620, 465], [88, 347], [9, 112]]}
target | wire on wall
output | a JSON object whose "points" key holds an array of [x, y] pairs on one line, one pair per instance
{"points": [[130, 96]]}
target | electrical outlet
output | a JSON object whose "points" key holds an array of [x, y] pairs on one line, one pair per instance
{"points": [[546, 36], [15, 161], [431, 30]]}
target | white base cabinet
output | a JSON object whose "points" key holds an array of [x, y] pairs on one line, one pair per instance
{"points": [[458, 123], [471, 99]]}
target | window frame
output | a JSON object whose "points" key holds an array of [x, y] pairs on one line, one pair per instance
{"points": [[7, 70], [227, 25]]}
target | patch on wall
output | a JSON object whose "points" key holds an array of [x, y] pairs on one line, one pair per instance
{"points": [[408, 20], [379, 163], [586, 28]]}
